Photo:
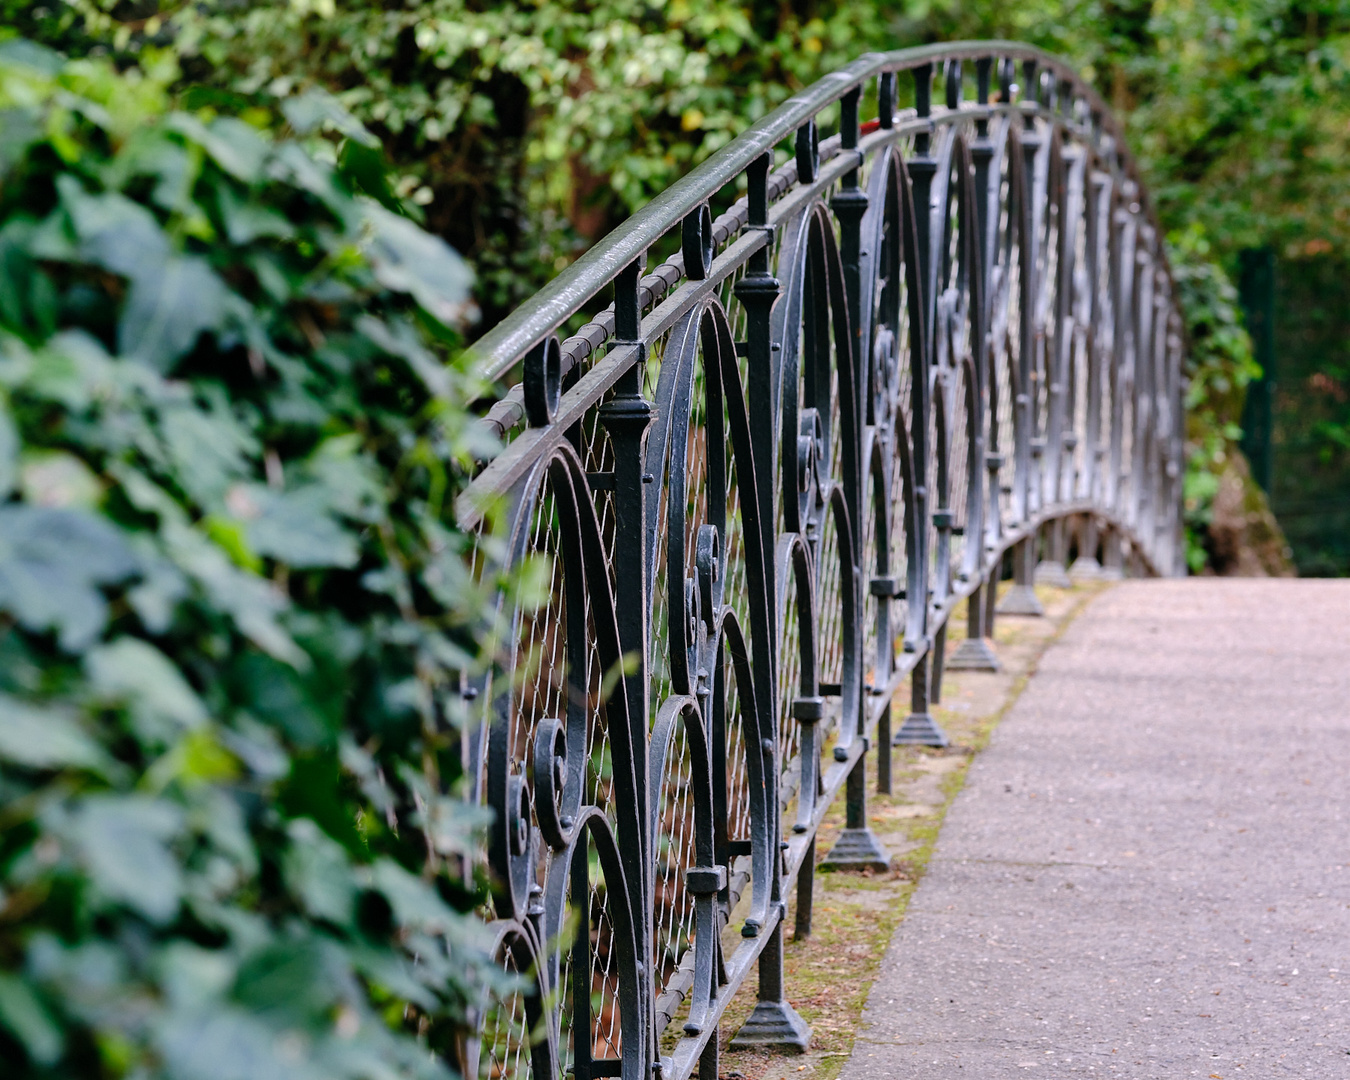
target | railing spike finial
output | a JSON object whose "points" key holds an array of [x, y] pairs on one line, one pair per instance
{"points": [[1007, 80], [923, 104], [1030, 91], [954, 86], [886, 99], [808, 152]]}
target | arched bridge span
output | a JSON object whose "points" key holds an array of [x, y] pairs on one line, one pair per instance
{"points": [[757, 485]]}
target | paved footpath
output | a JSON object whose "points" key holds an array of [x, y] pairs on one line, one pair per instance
{"points": [[1148, 872]]}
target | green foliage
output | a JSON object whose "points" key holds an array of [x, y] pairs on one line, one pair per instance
{"points": [[1311, 489], [1219, 365], [524, 131], [233, 607]]}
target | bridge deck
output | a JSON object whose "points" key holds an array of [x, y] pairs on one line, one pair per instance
{"points": [[1148, 874]]}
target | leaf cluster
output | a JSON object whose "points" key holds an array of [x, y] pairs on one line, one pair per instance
{"points": [[1219, 365], [234, 611]]}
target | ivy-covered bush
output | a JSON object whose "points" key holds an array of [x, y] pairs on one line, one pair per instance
{"points": [[233, 607]]}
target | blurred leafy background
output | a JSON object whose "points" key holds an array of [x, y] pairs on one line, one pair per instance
{"points": [[525, 130]]}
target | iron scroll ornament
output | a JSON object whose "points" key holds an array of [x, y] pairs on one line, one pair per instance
{"points": [[916, 352]]}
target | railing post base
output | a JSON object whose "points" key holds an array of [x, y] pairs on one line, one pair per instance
{"points": [[1086, 567], [1021, 599], [1050, 570], [774, 1025], [974, 654], [857, 847], [920, 729], [1084, 570]]}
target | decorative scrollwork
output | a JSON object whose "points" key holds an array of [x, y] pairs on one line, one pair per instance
{"points": [[760, 485]]}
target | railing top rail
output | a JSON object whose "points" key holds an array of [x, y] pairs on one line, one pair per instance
{"points": [[503, 346]]}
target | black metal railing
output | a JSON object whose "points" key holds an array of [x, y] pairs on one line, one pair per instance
{"points": [[758, 484]]}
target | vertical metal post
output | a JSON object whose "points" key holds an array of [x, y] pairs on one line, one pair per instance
{"points": [[626, 417], [709, 1062], [774, 1023], [1113, 566], [884, 750], [939, 664], [1122, 360], [1050, 570], [1086, 567], [806, 881], [857, 847], [1021, 599], [919, 728], [991, 597]]}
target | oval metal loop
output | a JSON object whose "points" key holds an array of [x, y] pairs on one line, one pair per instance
{"points": [[708, 563], [518, 806], [550, 777], [808, 152], [542, 383], [696, 242], [954, 84]]}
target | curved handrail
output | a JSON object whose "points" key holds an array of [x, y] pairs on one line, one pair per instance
{"points": [[497, 351]]}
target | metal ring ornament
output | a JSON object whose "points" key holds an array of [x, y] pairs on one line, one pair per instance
{"points": [[696, 236], [542, 381], [550, 770], [808, 152]]}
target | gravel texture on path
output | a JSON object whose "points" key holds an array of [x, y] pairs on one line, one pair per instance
{"points": [[1148, 871]]}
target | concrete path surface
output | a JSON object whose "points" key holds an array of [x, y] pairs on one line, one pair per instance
{"points": [[1148, 872]]}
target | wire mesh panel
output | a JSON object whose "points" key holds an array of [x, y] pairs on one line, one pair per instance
{"points": [[508, 1043]]}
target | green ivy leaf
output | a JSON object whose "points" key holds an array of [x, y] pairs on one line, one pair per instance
{"points": [[171, 303], [295, 527], [45, 738], [229, 1044], [28, 1019], [52, 563], [407, 259], [232, 144], [123, 842], [114, 232], [134, 672], [317, 871], [292, 984]]}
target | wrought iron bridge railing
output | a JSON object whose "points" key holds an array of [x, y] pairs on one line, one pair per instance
{"points": [[761, 480]]}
